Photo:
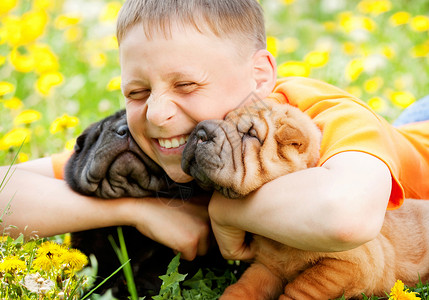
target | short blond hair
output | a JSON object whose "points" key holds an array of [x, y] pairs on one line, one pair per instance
{"points": [[239, 19]]}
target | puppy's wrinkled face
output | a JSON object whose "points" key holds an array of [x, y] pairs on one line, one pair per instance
{"points": [[108, 163], [253, 145]]}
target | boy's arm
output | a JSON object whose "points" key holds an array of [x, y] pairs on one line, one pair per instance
{"points": [[42, 205], [336, 207]]}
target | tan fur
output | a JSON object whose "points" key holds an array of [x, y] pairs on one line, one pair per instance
{"points": [[279, 138], [400, 251]]}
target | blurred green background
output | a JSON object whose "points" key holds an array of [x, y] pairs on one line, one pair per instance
{"points": [[59, 68]]}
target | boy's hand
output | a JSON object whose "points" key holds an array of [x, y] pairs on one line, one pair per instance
{"points": [[231, 240], [177, 224]]}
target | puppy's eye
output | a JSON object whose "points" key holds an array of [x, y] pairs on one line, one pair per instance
{"points": [[253, 133]]}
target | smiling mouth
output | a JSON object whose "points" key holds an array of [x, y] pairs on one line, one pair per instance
{"points": [[173, 142]]}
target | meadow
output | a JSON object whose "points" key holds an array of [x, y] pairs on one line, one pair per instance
{"points": [[59, 67]]}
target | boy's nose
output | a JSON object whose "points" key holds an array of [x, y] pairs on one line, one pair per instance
{"points": [[160, 110]]}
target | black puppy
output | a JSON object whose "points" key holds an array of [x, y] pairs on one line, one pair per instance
{"points": [[108, 163]]}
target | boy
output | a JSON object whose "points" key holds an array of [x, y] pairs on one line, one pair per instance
{"points": [[186, 61]]}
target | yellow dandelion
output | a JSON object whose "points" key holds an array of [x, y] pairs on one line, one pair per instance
{"points": [[47, 81], [70, 146], [288, 2], [368, 24], [354, 68], [44, 4], [399, 18], [23, 157], [67, 240], [388, 52], [398, 292], [48, 256], [98, 60], [45, 263], [110, 11], [27, 116], [317, 59], [329, 26], [50, 248], [377, 104], [349, 22], [2, 59], [45, 59], [7, 5], [12, 264], [10, 31], [420, 23], [62, 123], [374, 7], [21, 62], [420, 50], [33, 25], [6, 88], [272, 45], [15, 138], [64, 21], [402, 98], [13, 103], [293, 68], [74, 260], [346, 21], [114, 84], [372, 85], [349, 48], [73, 34]]}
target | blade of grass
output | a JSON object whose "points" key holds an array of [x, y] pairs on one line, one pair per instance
{"points": [[5, 179], [6, 207], [122, 254], [75, 287], [101, 283]]}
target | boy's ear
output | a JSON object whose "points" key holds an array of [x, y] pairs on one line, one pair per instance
{"points": [[264, 72]]}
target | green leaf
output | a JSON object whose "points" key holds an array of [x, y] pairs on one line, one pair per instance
{"points": [[19, 240], [170, 288]]}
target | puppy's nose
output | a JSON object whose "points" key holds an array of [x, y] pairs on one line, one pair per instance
{"points": [[122, 130], [202, 135], [207, 130]]}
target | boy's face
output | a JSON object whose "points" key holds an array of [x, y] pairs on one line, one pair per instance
{"points": [[171, 84]]}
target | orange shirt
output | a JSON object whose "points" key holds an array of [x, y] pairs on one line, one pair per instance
{"points": [[348, 124]]}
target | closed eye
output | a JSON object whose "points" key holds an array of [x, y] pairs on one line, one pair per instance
{"points": [[139, 94], [252, 132], [186, 87]]}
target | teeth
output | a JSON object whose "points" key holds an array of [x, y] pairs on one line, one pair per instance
{"points": [[173, 143]]}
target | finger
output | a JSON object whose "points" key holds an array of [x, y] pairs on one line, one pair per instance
{"points": [[204, 244], [231, 242]]}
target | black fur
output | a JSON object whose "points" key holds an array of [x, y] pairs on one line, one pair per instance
{"points": [[108, 163]]}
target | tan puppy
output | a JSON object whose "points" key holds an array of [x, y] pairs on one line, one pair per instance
{"points": [[256, 144], [253, 145]]}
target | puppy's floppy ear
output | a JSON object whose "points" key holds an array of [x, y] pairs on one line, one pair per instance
{"points": [[80, 141], [290, 134]]}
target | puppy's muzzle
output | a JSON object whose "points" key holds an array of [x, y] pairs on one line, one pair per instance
{"points": [[205, 132]]}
